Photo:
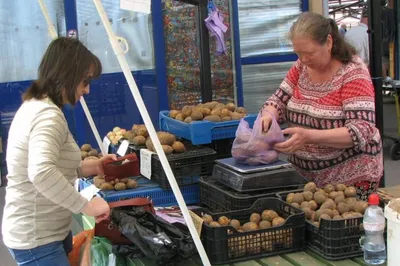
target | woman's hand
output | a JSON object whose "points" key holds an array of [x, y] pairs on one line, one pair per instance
{"points": [[97, 208], [298, 137], [266, 121], [95, 167]]}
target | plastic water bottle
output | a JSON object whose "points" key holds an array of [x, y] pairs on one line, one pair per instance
{"points": [[374, 226]]}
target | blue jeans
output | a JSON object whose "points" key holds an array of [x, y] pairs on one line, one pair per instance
{"points": [[54, 254]]}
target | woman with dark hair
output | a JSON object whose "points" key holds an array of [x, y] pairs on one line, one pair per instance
{"points": [[43, 160], [327, 100]]}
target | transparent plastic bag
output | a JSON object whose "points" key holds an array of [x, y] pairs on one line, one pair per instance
{"points": [[255, 147]]}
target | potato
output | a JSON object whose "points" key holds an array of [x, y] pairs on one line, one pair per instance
{"points": [[223, 220], [340, 187], [231, 107], [178, 147], [166, 138], [212, 104], [350, 192], [120, 186], [86, 147], [131, 184], [116, 129], [236, 116], [308, 213], [265, 224], [329, 188], [325, 217], [149, 145], [167, 149], [216, 112], [305, 204], [106, 186], [225, 112], [255, 218], [339, 199], [360, 207], [308, 195], [214, 224], [235, 224], [207, 218], [298, 197], [278, 221], [269, 215], [84, 154], [142, 131], [250, 226], [139, 140], [196, 115], [124, 180], [310, 186], [327, 205], [289, 198], [295, 204], [343, 207], [179, 117], [206, 112], [333, 195], [188, 120], [187, 110], [241, 110], [319, 198], [212, 118], [313, 205], [226, 118], [173, 113]]}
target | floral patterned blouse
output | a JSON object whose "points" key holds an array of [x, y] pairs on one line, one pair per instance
{"points": [[347, 100]]}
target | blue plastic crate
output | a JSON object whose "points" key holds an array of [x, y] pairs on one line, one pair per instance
{"points": [[201, 132], [147, 188]]}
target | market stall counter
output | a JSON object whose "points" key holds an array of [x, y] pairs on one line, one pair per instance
{"points": [[303, 258]]}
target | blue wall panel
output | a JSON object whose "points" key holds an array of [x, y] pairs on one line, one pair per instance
{"points": [[110, 102]]}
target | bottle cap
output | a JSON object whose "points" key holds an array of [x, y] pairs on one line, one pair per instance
{"points": [[373, 199]]}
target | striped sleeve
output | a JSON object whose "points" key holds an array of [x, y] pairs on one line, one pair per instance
{"points": [[48, 132]]}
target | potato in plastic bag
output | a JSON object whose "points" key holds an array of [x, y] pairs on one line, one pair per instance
{"points": [[255, 147]]}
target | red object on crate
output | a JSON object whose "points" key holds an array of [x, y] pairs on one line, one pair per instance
{"points": [[120, 169]]}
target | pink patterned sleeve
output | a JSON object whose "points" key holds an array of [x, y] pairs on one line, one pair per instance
{"points": [[358, 99], [281, 97]]}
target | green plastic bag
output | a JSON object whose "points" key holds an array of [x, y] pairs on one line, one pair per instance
{"points": [[101, 250]]}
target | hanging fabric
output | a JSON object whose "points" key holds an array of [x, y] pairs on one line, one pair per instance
{"points": [[215, 24]]}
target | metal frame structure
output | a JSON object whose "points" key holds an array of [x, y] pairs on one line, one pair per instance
{"points": [[348, 8]]}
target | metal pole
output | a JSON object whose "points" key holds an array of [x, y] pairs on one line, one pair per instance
{"points": [[152, 132], [375, 62]]}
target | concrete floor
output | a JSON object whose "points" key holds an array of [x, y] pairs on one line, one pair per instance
{"points": [[392, 169]]}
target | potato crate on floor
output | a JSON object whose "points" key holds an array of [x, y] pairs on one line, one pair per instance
{"points": [[201, 132], [218, 198], [333, 239], [147, 188], [227, 245], [187, 167]]}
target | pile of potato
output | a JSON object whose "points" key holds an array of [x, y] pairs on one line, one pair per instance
{"points": [[329, 203], [115, 135], [88, 153], [168, 142], [267, 219], [211, 111], [116, 184]]}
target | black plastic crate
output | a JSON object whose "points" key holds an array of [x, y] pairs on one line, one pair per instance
{"points": [[187, 167], [226, 245], [218, 198], [333, 239], [272, 179], [223, 147], [135, 149]]}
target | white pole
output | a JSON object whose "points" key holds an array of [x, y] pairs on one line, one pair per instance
{"points": [[52, 30], [54, 35], [150, 128]]}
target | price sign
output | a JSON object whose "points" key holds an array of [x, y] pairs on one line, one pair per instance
{"points": [[145, 163], [123, 148], [106, 143]]}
